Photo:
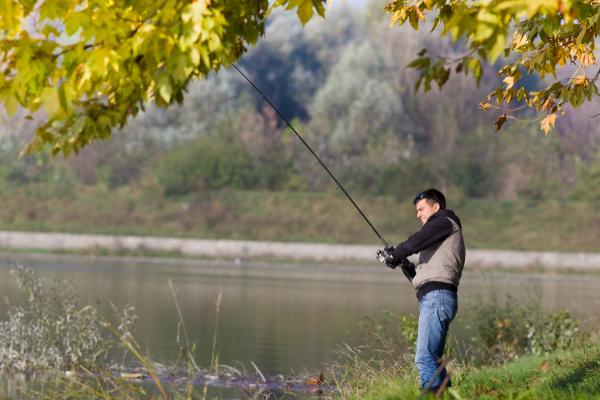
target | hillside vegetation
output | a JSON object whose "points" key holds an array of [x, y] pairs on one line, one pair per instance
{"points": [[222, 165], [293, 216]]}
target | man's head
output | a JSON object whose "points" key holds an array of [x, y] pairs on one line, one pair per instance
{"points": [[428, 203]]}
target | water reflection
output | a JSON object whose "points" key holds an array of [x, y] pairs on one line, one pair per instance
{"points": [[287, 319]]}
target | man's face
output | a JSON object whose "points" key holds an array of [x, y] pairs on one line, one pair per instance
{"points": [[425, 210]]}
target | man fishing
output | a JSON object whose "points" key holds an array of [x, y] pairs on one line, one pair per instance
{"points": [[441, 251], [441, 260]]}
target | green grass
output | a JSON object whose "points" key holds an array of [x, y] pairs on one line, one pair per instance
{"points": [[572, 375], [291, 216], [565, 375]]}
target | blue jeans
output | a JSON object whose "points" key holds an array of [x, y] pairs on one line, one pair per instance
{"points": [[436, 310]]}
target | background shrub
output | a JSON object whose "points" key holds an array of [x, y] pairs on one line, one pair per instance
{"points": [[54, 330]]}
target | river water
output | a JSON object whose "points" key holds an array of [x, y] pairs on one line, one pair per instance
{"points": [[286, 318]]}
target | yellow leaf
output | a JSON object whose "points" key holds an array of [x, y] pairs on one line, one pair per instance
{"points": [[11, 105], [165, 90], [86, 74], [580, 80], [519, 40], [305, 11], [510, 82], [587, 58], [548, 123], [51, 101], [539, 6], [195, 56], [485, 106], [497, 48]]}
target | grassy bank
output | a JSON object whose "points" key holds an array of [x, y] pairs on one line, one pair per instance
{"points": [[564, 375], [514, 350], [291, 216]]}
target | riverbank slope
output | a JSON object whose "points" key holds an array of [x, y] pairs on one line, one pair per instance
{"points": [[325, 217]]}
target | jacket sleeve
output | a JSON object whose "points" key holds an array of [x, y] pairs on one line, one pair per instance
{"points": [[435, 230]]}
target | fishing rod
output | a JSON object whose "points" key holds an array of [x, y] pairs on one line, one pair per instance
{"points": [[380, 253]]}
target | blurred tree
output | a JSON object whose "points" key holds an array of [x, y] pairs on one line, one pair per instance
{"points": [[116, 162], [540, 37], [587, 186], [208, 102], [358, 105], [92, 64], [344, 82], [242, 151], [285, 66]]}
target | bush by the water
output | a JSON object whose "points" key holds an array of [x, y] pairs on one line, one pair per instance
{"points": [[53, 329], [506, 331], [389, 334]]}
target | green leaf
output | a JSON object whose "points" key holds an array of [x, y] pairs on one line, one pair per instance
{"points": [[48, 30], [413, 19], [164, 88], [319, 6], [63, 97], [498, 47], [521, 94], [419, 63], [11, 105], [483, 32], [50, 10], [442, 77], [51, 102], [474, 65], [74, 22], [305, 11]]}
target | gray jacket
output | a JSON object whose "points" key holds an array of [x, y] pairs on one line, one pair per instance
{"points": [[441, 249], [442, 261]]}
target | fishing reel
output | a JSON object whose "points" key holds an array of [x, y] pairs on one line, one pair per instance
{"points": [[384, 255]]}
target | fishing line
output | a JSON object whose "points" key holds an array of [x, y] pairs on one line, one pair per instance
{"points": [[314, 154]]}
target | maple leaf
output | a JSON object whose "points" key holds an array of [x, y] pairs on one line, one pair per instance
{"points": [[547, 123]]}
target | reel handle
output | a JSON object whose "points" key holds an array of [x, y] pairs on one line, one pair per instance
{"points": [[383, 255]]}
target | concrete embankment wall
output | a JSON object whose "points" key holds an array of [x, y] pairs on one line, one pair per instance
{"points": [[279, 250]]}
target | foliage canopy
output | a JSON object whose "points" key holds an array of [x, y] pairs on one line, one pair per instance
{"points": [[543, 37], [339, 77], [92, 64]]}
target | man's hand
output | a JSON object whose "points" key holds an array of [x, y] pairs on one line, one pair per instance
{"points": [[387, 256], [389, 251], [391, 263]]}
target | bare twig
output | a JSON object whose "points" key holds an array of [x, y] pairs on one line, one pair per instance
{"points": [[258, 371]]}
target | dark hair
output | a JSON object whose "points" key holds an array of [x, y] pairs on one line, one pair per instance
{"points": [[432, 195]]}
